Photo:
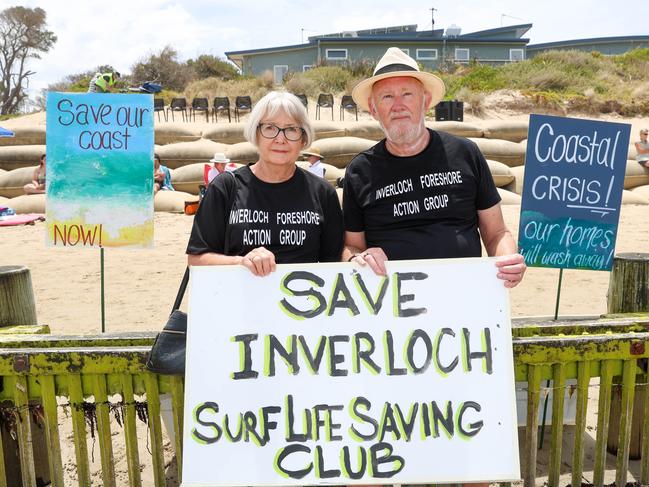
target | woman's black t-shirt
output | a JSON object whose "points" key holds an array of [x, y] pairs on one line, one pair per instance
{"points": [[298, 220]]}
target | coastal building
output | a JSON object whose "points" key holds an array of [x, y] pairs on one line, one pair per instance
{"points": [[430, 48], [606, 45]]}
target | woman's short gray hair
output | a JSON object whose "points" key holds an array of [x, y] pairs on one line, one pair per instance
{"points": [[269, 106]]}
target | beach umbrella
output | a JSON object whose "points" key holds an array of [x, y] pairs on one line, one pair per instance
{"points": [[6, 133]]}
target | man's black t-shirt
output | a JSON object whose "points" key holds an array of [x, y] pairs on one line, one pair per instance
{"points": [[298, 220], [423, 206]]}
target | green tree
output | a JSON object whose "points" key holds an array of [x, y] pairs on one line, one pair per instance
{"points": [[163, 68], [23, 36], [208, 66]]}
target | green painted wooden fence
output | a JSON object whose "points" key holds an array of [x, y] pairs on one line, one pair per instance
{"points": [[91, 376]]}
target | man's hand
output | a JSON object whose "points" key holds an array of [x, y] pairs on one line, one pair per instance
{"points": [[260, 261], [375, 258], [511, 269]]}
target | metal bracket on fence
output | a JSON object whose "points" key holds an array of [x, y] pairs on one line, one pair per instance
{"points": [[21, 363], [637, 348]]}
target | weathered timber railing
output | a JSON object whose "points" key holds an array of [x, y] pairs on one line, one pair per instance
{"points": [[91, 372]]}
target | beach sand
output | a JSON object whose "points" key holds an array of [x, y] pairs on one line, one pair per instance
{"points": [[140, 285]]}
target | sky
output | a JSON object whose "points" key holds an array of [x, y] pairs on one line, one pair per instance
{"points": [[122, 32]]}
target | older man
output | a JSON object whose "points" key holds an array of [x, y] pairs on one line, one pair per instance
{"points": [[418, 193]]}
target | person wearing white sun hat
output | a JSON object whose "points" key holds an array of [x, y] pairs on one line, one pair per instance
{"points": [[419, 193]]}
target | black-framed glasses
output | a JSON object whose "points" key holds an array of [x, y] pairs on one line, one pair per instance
{"points": [[270, 131]]}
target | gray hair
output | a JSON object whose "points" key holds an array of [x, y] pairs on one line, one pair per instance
{"points": [[269, 106]]}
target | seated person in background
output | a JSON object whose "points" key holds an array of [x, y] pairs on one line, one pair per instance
{"points": [[37, 186], [161, 176], [642, 148], [314, 158], [220, 164]]}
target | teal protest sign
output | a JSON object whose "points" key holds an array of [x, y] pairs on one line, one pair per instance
{"points": [[574, 175]]}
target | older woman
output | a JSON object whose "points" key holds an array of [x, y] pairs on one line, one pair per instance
{"points": [[272, 212]]}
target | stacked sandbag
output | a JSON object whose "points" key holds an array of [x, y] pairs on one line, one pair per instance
{"points": [[631, 153], [12, 182], [172, 201], [365, 130], [231, 133], [30, 135], [4, 201], [634, 198], [501, 173], [461, 129], [516, 186], [514, 131], [325, 130], [643, 191], [509, 153], [172, 133], [28, 203], [242, 153], [185, 153], [635, 175], [509, 198], [340, 150], [13, 157], [188, 178], [332, 173]]}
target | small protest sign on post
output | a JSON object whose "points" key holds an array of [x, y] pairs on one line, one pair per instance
{"points": [[329, 374], [572, 192], [99, 170]]}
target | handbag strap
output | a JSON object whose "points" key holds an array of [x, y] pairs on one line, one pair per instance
{"points": [[181, 290], [183, 284], [231, 188]]}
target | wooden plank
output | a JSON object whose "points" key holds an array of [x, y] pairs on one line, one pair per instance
{"points": [[24, 427], [558, 390], [626, 418], [130, 432], [603, 413], [155, 428], [583, 381], [79, 430], [644, 469], [177, 401], [52, 430], [531, 432], [103, 430]]}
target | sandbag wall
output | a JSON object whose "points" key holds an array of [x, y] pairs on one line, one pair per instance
{"points": [[185, 148]]}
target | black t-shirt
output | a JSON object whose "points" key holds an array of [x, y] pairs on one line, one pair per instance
{"points": [[298, 220], [420, 207]]}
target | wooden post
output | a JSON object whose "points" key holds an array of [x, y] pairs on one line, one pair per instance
{"points": [[628, 286], [628, 292], [17, 306]]}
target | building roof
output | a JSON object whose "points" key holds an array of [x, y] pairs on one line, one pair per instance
{"points": [[591, 40]]}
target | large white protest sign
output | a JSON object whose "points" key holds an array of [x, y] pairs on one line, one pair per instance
{"points": [[329, 374]]}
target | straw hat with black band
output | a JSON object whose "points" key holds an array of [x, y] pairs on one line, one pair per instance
{"points": [[312, 151], [396, 63]]}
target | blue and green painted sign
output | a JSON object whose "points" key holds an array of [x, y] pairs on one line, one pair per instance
{"points": [[574, 175]]}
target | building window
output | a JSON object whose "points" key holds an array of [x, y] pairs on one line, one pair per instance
{"points": [[406, 50], [426, 54], [461, 54], [516, 55], [307, 67], [336, 54], [279, 70]]}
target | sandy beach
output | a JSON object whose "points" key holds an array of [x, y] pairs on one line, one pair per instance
{"points": [[141, 284]]}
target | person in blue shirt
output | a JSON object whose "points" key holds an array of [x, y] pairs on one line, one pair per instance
{"points": [[161, 176]]}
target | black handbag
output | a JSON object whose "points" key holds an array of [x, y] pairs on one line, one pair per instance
{"points": [[167, 355]]}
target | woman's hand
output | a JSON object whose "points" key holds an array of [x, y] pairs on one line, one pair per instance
{"points": [[260, 261]]}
